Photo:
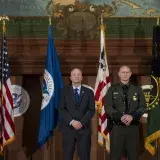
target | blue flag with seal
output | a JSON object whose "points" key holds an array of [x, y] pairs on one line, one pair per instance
{"points": [[52, 84]]}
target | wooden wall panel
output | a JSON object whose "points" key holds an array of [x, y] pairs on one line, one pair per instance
{"points": [[27, 56]]}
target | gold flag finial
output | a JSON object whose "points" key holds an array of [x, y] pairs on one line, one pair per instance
{"points": [[102, 24], [3, 19], [157, 20], [50, 20], [102, 18], [4, 26]]}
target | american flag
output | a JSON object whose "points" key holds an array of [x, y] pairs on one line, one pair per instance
{"points": [[101, 87], [7, 130]]}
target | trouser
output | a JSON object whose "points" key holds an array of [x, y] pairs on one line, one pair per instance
{"points": [[83, 142], [124, 139]]}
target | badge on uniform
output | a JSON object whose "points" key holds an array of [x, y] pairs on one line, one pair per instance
{"points": [[115, 92], [134, 98]]}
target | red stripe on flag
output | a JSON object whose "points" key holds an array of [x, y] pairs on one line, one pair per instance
{"points": [[101, 85], [9, 95], [6, 135], [108, 79], [105, 132], [99, 128], [103, 117], [103, 101], [8, 116]]}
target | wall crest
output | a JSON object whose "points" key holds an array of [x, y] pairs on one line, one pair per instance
{"points": [[80, 20]]}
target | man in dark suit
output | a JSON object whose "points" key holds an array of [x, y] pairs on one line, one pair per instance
{"points": [[124, 104], [76, 109]]}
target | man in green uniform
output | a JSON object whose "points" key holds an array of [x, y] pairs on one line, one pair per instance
{"points": [[124, 104]]}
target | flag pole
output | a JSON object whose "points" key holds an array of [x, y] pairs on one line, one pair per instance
{"points": [[52, 141], [102, 28], [3, 19], [157, 21], [1, 98], [49, 141], [157, 140]]}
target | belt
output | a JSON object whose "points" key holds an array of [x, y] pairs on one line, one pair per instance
{"points": [[122, 124]]}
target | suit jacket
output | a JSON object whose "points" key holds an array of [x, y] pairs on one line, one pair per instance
{"points": [[83, 111], [115, 102]]}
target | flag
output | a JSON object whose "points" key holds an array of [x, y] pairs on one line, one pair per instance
{"points": [[101, 87], [153, 125], [7, 128], [52, 83]]}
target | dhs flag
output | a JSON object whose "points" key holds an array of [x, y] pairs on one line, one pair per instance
{"points": [[52, 84]]}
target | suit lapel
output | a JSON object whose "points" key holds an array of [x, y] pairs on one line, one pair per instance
{"points": [[81, 95]]}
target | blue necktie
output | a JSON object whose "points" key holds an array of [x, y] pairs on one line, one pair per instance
{"points": [[76, 95]]}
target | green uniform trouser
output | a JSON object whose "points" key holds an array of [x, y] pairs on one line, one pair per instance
{"points": [[124, 139]]}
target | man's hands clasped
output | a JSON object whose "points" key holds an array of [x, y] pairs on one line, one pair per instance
{"points": [[77, 125], [126, 119]]}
